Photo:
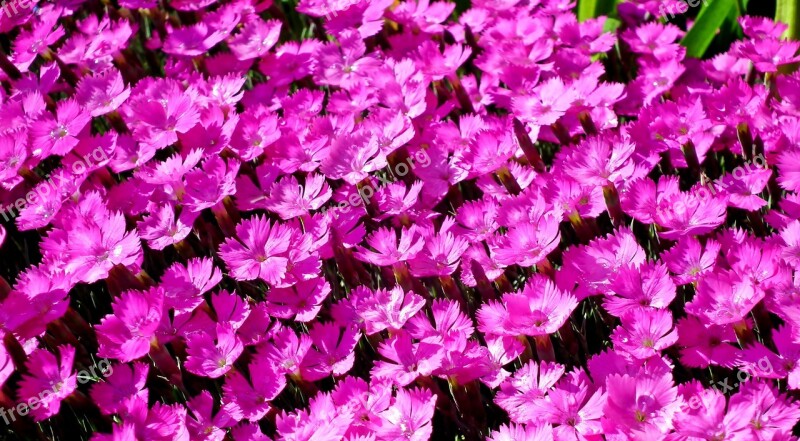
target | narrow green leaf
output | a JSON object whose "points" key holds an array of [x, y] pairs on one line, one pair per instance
{"points": [[705, 28], [788, 12], [595, 8]]}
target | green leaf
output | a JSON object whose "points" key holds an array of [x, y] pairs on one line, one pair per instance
{"points": [[788, 12], [705, 28], [595, 8], [611, 25]]}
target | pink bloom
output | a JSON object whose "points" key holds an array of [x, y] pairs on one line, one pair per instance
{"points": [[302, 301], [262, 252], [639, 405], [203, 424], [648, 286], [386, 309], [332, 351], [163, 228], [529, 385], [49, 380], [58, 136], [407, 360], [706, 344], [387, 249], [410, 416], [689, 260], [724, 298], [126, 334], [250, 399], [529, 243], [644, 333], [211, 356], [97, 245], [184, 286], [255, 39], [121, 388], [102, 93], [539, 309], [207, 187]]}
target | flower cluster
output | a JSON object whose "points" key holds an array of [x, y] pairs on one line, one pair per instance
{"points": [[367, 220]]}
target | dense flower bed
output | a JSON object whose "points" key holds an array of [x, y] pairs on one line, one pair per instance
{"points": [[375, 220]]}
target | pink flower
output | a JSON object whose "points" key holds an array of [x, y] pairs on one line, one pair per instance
{"points": [[49, 381], [539, 309], [386, 309], [529, 385], [184, 286], [409, 417], [387, 249], [644, 333], [332, 351], [126, 334], [529, 243], [250, 399], [262, 252], [58, 136], [689, 260], [408, 360], [302, 301], [648, 286], [163, 228], [96, 245], [639, 405], [211, 356], [706, 344], [121, 389], [102, 93], [724, 298], [256, 39], [204, 424]]}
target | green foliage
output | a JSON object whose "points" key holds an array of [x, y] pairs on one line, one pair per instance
{"points": [[708, 23], [595, 8]]}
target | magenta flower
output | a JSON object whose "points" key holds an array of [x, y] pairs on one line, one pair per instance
{"points": [[163, 228], [388, 250], [204, 424], [690, 261], [332, 351], [212, 356], [706, 344], [644, 404], [57, 136], [644, 333], [528, 386], [386, 309], [648, 286], [103, 93], [539, 309], [184, 286], [48, 382], [121, 389], [262, 252], [410, 416], [126, 334], [408, 360], [302, 301], [250, 399]]}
